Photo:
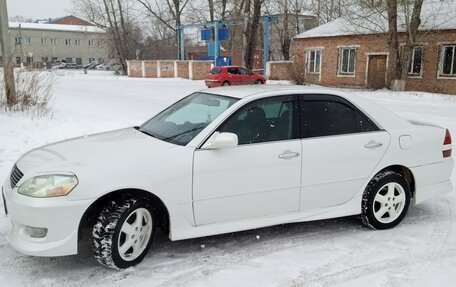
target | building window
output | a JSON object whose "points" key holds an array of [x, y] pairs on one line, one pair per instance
{"points": [[54, 59], [69, 60], [91, 60], [448, 65], [27, 40], [18, 61], [314, 61], [17, 40], [29, 60], [44, 59], [43, 41], [77, 42], [347, 61], [416, 61], [91, 43], [100, 43], [53, 42], [67, 42]]}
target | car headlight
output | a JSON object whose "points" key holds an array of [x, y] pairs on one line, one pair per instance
{"points": [[50, 185]]}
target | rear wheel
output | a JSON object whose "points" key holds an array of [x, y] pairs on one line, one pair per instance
{"points": [[123, 233], [226, 84], [385, 201], [258, 82]]}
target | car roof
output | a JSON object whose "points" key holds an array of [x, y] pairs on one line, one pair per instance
{"points": [[244, 91]]}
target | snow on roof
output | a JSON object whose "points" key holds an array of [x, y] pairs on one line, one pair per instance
{"points": [[435, 15], [56, 27]]}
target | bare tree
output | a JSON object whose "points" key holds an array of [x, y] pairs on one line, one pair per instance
{"points": [[327, 10], [125, 36], [250, 33], [175, 9]]}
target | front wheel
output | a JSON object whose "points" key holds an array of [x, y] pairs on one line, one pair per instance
{"points": [[226, 84], [258, 82], [123, 233], [385, 201]]}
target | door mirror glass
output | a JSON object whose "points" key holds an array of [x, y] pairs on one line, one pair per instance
{"points": [[221, 140]]}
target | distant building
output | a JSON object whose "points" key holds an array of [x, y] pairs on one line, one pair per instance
{"points": [[338, 54], [70, 20], [37, 43]]}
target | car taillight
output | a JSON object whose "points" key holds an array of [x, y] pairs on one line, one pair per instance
{"points": [[447, 142]]}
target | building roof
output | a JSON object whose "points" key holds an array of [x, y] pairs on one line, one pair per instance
{"points": [[435, 15], [56, 27], [70, 20]]}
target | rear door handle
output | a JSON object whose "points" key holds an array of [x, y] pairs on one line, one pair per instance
{"points": [[289, 154], [373, 144]]}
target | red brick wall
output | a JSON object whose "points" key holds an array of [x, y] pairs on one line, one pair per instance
{"points": [[370, 44]]}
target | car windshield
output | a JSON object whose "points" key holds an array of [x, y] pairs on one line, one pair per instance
{"points": [[181, 122]]}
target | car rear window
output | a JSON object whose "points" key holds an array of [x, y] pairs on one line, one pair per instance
{"points": [[215, 71]]}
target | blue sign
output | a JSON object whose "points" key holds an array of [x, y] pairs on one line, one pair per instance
{"points": [[208, 34]]}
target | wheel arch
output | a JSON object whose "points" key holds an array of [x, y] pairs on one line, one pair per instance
{"points": [[89, 216], [405, 172]]}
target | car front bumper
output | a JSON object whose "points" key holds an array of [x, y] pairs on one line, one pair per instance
{"points": [[60, 216], [213, 83]]}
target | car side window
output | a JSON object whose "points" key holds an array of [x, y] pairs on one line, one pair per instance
{"points": [[265, 120], [233, 71], [244, 72], [327, 116]]}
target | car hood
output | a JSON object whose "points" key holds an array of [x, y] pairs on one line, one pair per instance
{"points": [[93, 151]]}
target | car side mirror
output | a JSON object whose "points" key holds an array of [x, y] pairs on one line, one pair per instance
{"points": [[221, 140]]}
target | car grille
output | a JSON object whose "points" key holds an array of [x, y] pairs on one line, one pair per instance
{"points": [[15, 176]]}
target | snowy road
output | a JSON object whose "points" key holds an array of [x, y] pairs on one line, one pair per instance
{"points": [[341, 252]]}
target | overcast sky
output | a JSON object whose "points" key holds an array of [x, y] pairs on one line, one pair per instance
{"points": [[39, 9]]}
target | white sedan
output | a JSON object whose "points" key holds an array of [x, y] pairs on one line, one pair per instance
{"points": [[225, 160]]}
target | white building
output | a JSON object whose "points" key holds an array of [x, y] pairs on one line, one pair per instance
{"points": [[46, 43]]}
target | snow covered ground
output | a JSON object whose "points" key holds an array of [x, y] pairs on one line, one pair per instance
{"points": [[340, 252]]}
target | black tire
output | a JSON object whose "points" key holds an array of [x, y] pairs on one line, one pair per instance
{"points": [[394, 207], [226, 84], [258, 82], [107, 230]]}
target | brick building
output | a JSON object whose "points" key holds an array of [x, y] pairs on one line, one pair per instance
{"points": [[336, 55]]}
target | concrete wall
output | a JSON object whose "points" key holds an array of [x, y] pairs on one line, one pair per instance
{"points": [[182, 70], [193, 70], [368, 45], [150, 69]]}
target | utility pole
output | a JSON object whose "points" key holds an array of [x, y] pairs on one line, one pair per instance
{"points": [[8, 67]]}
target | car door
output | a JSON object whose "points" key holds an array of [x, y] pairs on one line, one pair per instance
{"points": [[246, 77], [340, 149], [234, 76], [260, 176]]}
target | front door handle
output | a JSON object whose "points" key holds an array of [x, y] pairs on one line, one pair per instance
{"points": [[289, 154], [373, 144]]}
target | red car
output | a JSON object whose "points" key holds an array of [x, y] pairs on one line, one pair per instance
{"points": [[232, 75]]}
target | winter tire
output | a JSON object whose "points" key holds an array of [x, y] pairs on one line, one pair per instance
{"points": [[226, 84], [385, 201], [123, 233], [258, 82]]}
